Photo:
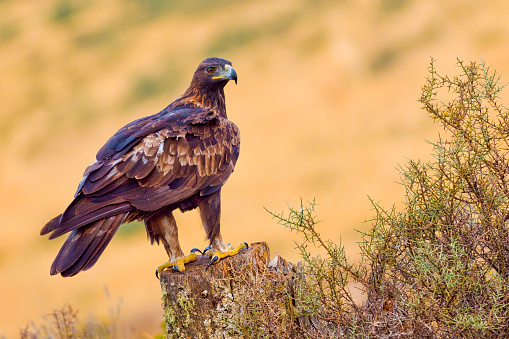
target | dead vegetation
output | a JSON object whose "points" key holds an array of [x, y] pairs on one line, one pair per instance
{"points": [[64, 323]]}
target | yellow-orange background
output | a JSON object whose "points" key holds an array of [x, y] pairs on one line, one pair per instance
{"points": [[326, 104]]}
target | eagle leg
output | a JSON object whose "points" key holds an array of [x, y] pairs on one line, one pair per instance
{"points": [[210, 210], [164, 228]]}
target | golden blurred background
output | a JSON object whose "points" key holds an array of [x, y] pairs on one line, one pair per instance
{"points": [[326, 104]]}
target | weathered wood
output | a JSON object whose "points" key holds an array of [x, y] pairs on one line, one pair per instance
{"points": [[232, 299]]}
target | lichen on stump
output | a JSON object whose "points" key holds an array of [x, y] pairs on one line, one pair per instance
{"points": [[232, 299]]}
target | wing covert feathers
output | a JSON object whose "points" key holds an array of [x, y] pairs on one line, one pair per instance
{"points": [[197, 154]]}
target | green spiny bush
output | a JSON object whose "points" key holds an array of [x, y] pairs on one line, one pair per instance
{"points": [[438, 267]]}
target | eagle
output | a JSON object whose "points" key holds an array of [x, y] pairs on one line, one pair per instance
{"points": [[178, 158]]}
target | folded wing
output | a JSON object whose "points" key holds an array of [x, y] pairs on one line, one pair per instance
{"points": [[151, 163]]}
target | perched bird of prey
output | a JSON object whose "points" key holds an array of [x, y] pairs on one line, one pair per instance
{"points": [[177, 158]]}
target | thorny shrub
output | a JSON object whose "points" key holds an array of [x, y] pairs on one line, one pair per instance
{"points": [[439, 266]]}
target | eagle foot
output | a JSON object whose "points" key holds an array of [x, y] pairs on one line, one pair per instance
{"points": [[178, 265], [217, 255]]}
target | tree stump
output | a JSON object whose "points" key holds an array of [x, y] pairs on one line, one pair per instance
{"points": [[241, 296]]}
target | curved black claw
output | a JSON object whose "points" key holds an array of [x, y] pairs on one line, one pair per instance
{"points": [[212, 261], [157, 274], [247, 246], [196, 250], [176, 268], [207, 249]]}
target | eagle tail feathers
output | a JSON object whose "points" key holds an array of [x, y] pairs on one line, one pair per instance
{"points": [[51, 225], [85, 245], [83, 212]]}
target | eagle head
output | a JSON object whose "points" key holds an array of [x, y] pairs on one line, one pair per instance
{"points": [[214, 72]]}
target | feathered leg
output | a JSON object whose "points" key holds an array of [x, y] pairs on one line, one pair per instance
{"points": [[210, 211], [165, 226]]}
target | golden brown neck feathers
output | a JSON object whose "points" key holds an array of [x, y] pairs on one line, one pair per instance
{"points": [[207, 86], [196, 96]]}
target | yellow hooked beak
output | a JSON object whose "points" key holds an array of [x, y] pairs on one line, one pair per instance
{"points": [[228, 74]]}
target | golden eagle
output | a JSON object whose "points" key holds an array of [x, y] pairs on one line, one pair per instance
{"points": [[177, 158]]}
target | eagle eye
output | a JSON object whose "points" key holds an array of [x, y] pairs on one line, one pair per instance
{"points": [[211, 70]]}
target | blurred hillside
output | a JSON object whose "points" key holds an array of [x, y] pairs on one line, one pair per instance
{"points": [[326, 104]]}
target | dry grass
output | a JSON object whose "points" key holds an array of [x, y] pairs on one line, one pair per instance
{"points": [[64, 323], [315, 119]]}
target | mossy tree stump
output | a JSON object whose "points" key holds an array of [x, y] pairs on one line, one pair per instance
{"points": [[233, 298]]}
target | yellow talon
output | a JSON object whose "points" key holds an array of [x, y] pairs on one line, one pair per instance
{"points": [[217, 255], [189, 258], [177, 265]]}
